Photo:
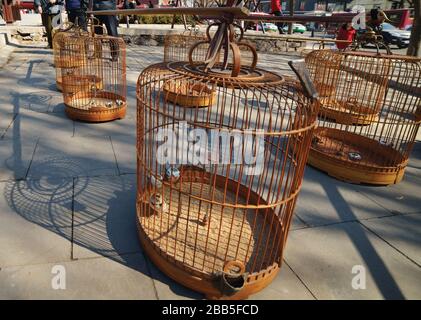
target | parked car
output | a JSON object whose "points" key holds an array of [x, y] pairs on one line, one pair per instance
{"points": [[268, 26], [296, 28], [393, 35]]}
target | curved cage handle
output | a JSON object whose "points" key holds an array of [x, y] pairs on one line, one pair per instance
{"points": [[253, 51], [235, 48], [192, 48], [78, 29], [92, 23], [236, 67], [67, 27], [232, 278]]}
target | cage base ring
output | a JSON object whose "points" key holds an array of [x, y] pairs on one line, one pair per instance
{"points": [[324, 155], [189, 95], [94, 114], [191, 265], [347, 113], [254, 284]]}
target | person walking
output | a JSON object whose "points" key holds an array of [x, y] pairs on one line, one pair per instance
{"points": [[48, 9], [110, 22], [76, 12], [131, 4], [277, 11]]}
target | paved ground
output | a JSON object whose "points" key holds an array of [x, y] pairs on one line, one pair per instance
{"points": [[67, 195]]}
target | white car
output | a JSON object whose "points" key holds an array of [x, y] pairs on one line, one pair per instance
{"points": [[296, 28], [268, 26]]}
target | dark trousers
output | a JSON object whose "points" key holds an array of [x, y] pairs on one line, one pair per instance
{"points": [[46, 22], [280, 25], [110, 23], [77, 16]]}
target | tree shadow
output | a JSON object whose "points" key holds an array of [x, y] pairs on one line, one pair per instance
{"points": [[93, 213], [384, 280]]}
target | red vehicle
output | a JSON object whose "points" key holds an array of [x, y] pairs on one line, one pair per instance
{"points": [[26, 5], [401, 18]]}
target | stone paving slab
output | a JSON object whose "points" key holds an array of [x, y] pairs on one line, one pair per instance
{"points": [[401, 198], [100, 278], [73, 157], [325, 200], [414, 165], [323, 258], [402, 232], [118, 127], [5, 53], [35, 222], [6, 119], [35, 100], [286, 286], [168, 289], [125, 151], [297, 222], [15, 158], [31, 125], [105, 217]]}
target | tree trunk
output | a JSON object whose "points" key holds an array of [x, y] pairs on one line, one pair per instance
{"points": [[414, 48]]}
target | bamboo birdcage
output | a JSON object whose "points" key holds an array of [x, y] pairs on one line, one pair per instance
{"points": [[370, 139], [63, 43], [351, 85], [218, 223], [95, 91], [177, 46]]}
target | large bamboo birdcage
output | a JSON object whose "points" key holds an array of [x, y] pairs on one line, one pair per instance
{"points": [[221, 150], [94, 89], [368, 122]]}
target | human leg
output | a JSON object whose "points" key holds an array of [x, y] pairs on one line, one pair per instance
{"points": [[46, 22]]}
